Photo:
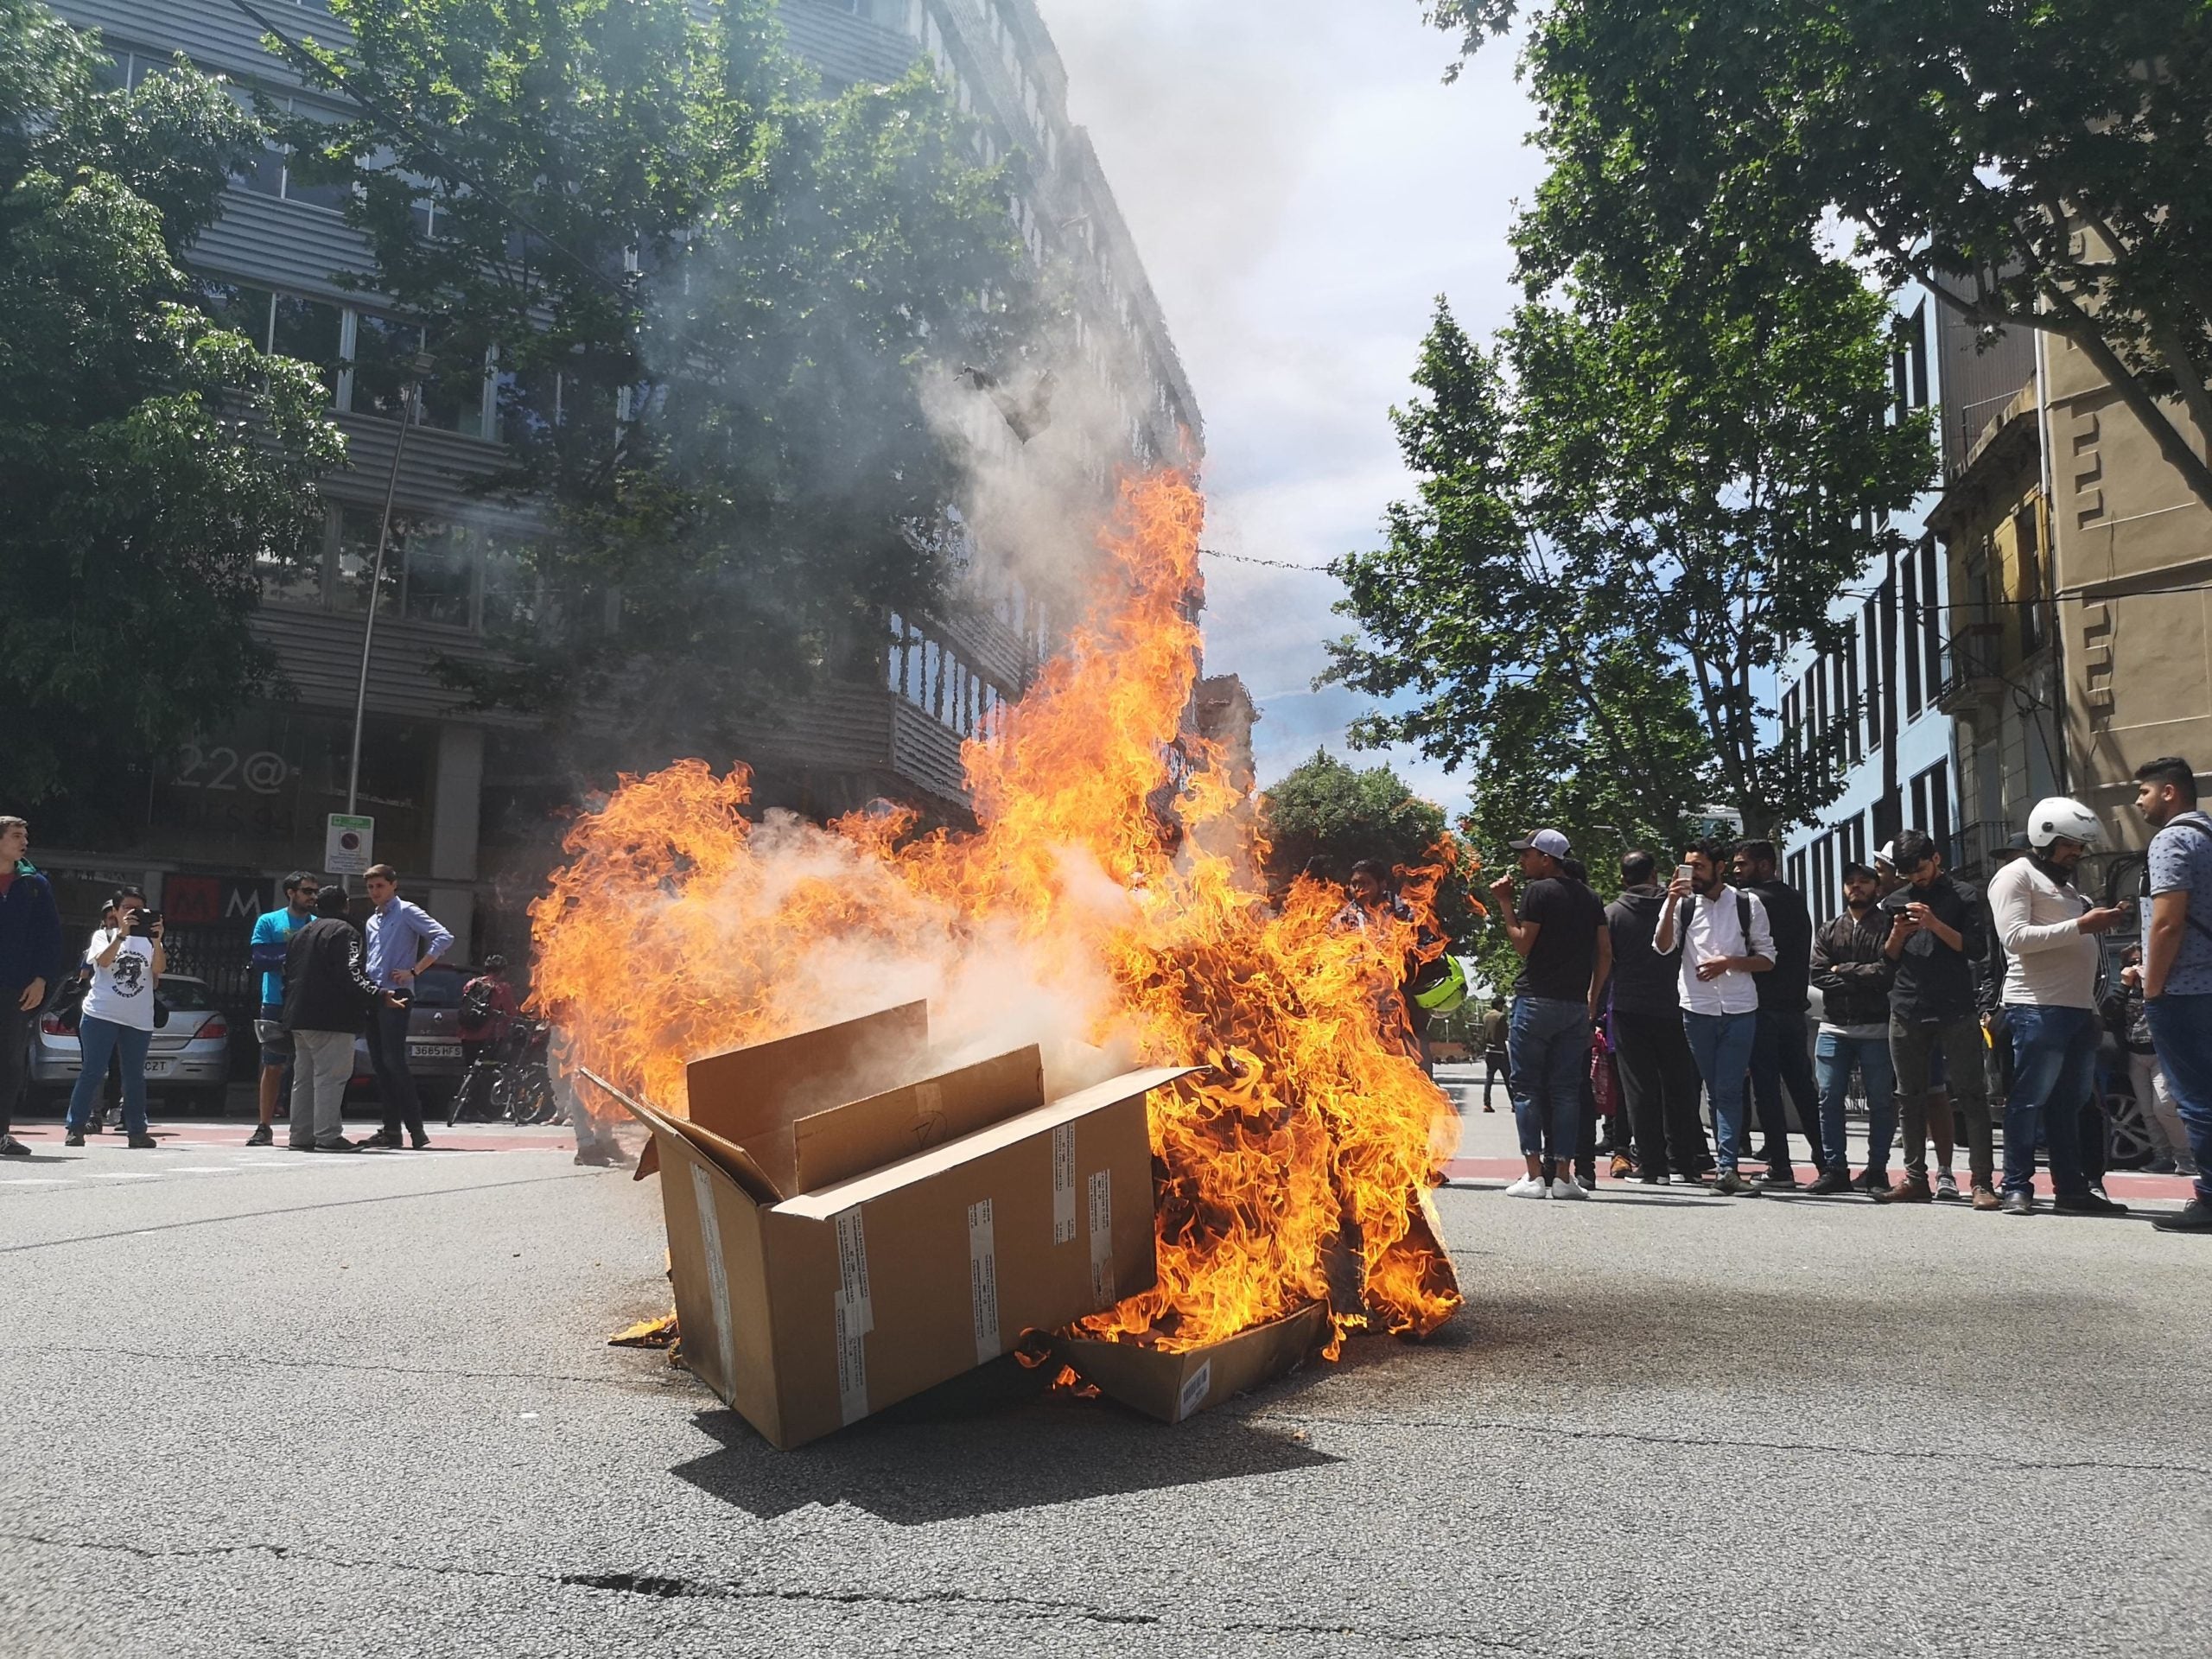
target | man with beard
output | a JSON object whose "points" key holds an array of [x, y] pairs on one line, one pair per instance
{"points": [[1725, 943], [2049, 932], [2177, 975], [1854, 976], [1936, 935]]}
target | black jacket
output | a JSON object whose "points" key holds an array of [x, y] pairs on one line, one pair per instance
{"points": [[326, 985], [1851, 970], [1781, 988], [1934, 982], [1644, 981]]}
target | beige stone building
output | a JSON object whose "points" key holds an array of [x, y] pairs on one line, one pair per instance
{"points": [[2132, 556]]}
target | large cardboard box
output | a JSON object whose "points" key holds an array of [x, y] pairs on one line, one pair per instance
{"points": [[833, 1255]]}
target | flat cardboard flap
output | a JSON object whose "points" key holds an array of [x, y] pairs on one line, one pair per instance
{"points": [[753, 1095], [822, 1203], [851, 1140], [726, 1155]]}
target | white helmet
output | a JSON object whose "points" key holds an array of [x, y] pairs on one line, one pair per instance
{"points": [[2054, 816]]}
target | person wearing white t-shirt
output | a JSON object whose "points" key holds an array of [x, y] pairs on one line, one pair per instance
{"points": [[1724, 940], [128, 961]]}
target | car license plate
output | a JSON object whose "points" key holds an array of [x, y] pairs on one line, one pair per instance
{"points": [[156, 1068], [435, 1051]]}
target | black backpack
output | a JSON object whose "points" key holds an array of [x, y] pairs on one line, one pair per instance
{"points": [[476, 1002]]}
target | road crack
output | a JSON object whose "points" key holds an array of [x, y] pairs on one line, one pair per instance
{"points": [[1555, 1431], [664, 1587], [60, 1350]]}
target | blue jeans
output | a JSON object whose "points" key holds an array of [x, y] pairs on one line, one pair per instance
{"points": [[2054, 1069], [96, 1043], [2181, 1028], [1835, 1054], [1722, 1044], [1548, 1040]]}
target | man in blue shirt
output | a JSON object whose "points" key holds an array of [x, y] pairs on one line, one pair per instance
{"points": [[404, 940], [2178, 963], [271, 932]]}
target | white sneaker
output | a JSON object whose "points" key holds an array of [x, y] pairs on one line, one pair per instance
{"points": [[1527, 1187], [1567, 1187]]}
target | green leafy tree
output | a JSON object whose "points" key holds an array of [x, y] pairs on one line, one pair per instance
{"points": [[1624, 511], [150, 462], [714, 299], [2037, 163], [1326, 809]]}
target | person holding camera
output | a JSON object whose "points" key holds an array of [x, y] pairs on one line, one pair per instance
{"points": [[128, 961]]}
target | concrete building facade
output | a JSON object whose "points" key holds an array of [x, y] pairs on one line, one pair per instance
{"points": [[2131, 582], [455, 791]]}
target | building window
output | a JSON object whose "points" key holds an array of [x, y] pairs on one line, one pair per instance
{"points": [[1909, 589], [284, 324], [1848, 696], [1932, 641], [1931, 805], [2027, 538]]}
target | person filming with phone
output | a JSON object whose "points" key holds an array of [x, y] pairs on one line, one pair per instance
{"points": [[1936, 935], [128, 961]]}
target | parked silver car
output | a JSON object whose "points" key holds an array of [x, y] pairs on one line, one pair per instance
{"points": [[189, 1059]]}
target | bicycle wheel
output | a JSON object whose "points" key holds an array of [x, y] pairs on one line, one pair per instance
{"points": [[538, 1089], [465, 1097]]}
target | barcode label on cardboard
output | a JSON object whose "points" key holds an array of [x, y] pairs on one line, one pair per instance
{"points": [[1195, 1388], [852, 1361], [1103, 1290], [711, 1243], [852, 1268], [983, 1282], [1064, 1184], [856, 1316]]}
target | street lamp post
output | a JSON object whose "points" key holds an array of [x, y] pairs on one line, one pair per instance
{"points": [[410, 395]]}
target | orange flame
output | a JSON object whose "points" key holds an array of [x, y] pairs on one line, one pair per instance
{"points": [[1081, 914]]}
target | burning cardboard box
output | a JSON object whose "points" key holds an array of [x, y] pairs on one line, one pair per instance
{"points": [[836, 1250], [1174, 1385]]}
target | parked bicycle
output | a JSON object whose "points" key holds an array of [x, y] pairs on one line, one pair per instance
{"points": [[513, 1084]]}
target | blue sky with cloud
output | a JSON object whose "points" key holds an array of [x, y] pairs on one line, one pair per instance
{"points": [[1302, 186]]}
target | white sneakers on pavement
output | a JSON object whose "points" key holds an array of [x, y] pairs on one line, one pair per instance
{"points": [[1567, 1187], [1528, 1187]]}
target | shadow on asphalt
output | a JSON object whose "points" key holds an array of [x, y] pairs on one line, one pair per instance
{"points": [[992, 1442]]}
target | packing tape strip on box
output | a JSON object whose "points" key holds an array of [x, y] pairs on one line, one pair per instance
{"points": [[983, 1282], [856, 1316], [711, 1240]]}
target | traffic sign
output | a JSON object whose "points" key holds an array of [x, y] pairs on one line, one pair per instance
{"points": [[349, 845]]}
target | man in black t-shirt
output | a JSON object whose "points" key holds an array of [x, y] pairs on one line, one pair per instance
{"points": [[1559, 935], [1937, 933]]}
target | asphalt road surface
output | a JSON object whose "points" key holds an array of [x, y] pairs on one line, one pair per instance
{"points": [[262, 1402]]}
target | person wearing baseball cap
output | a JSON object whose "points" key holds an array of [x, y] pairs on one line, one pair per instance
{"points": [[1559, 935]]}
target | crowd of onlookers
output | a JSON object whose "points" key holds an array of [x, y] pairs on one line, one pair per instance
{"points": [[326, 983], [1691, 990]]}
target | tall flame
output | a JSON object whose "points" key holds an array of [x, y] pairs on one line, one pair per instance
{"points": [[1105, 909]]}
